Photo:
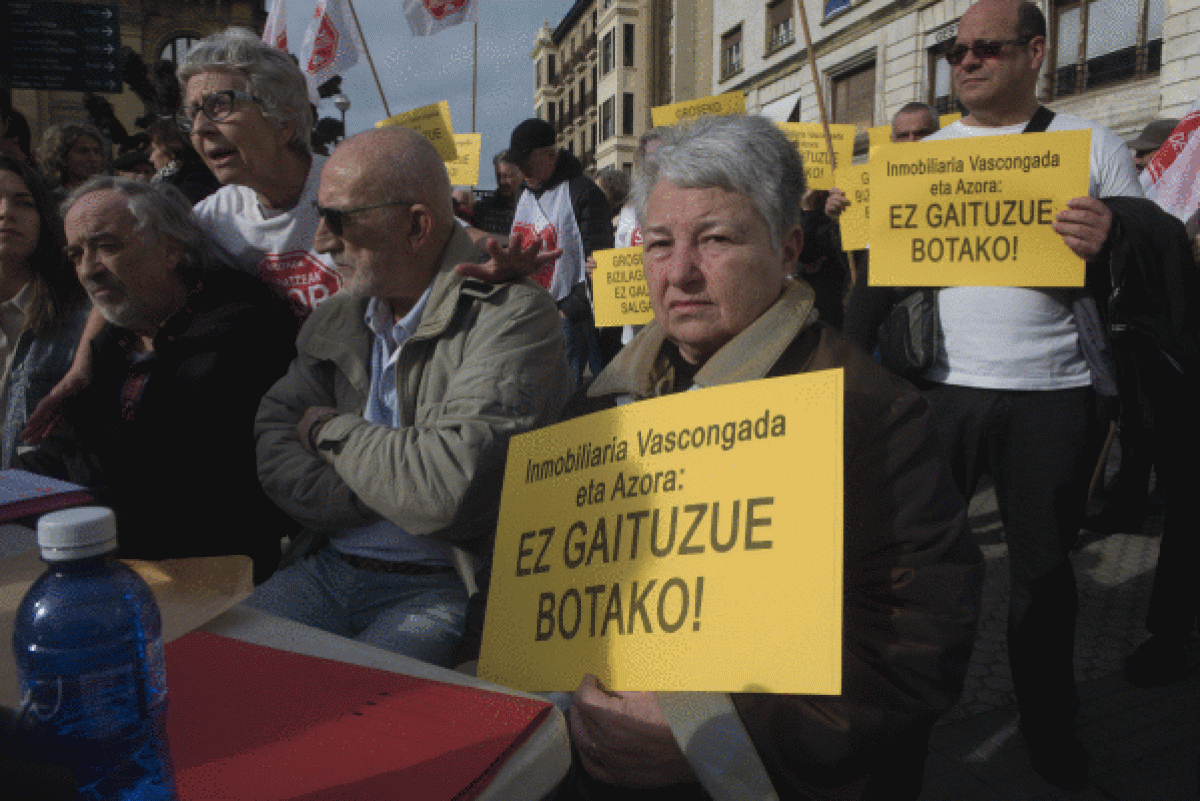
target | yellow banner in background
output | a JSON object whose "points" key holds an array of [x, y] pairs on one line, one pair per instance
{"points": [[619, 293], [976, 211], [464, 170], [809, 139], [946, 119], [689, 542], [855, 181], [728, 103], [432, 122], [879, 135]]}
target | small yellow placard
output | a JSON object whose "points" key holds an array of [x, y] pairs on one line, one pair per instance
{"points": [[879, 135], [690, 542], [728, 103], [432, 122], [464, 170], [619, 292], [976, 211], [809, 139], [946, 119], [855, 181]]}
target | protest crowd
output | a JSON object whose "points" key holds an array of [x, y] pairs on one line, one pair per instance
{"points": [[264, 344]]}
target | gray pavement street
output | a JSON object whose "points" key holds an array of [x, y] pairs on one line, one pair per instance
{"points": [[1144, 745]]}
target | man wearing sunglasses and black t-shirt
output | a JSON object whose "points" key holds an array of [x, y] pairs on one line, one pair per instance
{"points": [[1017, 381]]}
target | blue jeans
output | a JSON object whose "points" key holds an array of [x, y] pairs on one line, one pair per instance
{"points": [[418, 616], [583, 348]]}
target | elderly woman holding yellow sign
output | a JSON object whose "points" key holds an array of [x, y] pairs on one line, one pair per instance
{"points": [[717, 203]]}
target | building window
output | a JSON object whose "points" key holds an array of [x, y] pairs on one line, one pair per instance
{"points": [[627, 51], [177, 48], [731, 53], [1103, 42], [941, 85], [627, 114], [550, 68], [834, 7], [570, 105], [781, 25], [606, 53], [606, 119], [537, 75], [550, 111], [853, 97]]}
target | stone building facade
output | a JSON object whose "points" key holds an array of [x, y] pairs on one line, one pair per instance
{"points": [[608, 62]]}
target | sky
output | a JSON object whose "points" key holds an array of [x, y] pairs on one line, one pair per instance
{"points": [[418, 70]]}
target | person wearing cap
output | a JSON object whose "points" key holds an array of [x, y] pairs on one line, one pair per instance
{"points": [[561, 208], [1152, 138]]}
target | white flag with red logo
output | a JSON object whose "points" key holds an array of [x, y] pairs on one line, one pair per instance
{"points": [[275, 32], [427, 17], [331, 45], [1172, 178]]}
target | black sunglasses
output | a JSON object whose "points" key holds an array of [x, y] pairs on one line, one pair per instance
{"points": [[982, 48], [336, 218]]}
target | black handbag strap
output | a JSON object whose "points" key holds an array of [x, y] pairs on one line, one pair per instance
{"points": [[1040, 120]]}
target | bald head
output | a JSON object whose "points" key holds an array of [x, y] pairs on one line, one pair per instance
{"points": [[999, 85], [392, 163], [387, 215]]}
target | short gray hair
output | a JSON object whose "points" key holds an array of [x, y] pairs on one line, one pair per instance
{"points": [[747, 154], [271, 76], [917, 105], [614, 184], [161, 212]]}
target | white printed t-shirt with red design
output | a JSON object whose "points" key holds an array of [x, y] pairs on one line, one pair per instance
{"points": [[551, 219], [277, 247]]}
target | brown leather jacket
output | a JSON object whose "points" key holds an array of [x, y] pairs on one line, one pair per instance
{"points": [[913, 573]]}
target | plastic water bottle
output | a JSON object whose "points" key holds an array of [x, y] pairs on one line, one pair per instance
{"points": [[89, 650]]}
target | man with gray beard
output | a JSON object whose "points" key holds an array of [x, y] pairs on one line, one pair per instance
{"points": [[164, 432]]}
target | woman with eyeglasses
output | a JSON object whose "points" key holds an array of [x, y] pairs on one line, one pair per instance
{"points": [[43, 307]]}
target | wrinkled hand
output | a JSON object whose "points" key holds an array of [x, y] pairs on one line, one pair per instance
{"points": [[1084, 225], [311, 423], [49, 410], [509, 262], [623, 739], [836, 203]]}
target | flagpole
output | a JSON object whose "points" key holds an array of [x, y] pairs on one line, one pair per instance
{"points": [[474, 68], [387, 111]]}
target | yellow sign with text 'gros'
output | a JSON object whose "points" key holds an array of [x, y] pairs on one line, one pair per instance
{"points": [[432, 122], [619, 293], [717, 105], [464, 170], [689, 542], [976, 211], [809, 139]]}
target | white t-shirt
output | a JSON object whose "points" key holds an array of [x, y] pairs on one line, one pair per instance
{"points": [[1016, 337], [274, 245]]}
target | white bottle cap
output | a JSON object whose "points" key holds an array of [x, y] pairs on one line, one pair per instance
{"points": [[77, 533]]}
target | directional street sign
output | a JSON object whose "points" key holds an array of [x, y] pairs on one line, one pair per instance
{"points": [[66, 46]]}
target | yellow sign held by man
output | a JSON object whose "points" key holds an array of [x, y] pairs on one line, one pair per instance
{"points": [[464, 170], [728, 103], [619, 293], [690, 542], [976, 211], [809, 139], [432, 122]]}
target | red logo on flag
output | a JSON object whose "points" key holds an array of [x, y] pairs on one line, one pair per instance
{"points": [[1174, 145], [525, 235], [443, 9], [324, 47]]}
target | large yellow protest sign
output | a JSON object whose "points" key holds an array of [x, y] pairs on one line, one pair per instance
{"points": [[809, 139], [855, 181], [432, 122], [976, 211], [717, 105], [619, 294], [464, 170], [690, 542]]}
